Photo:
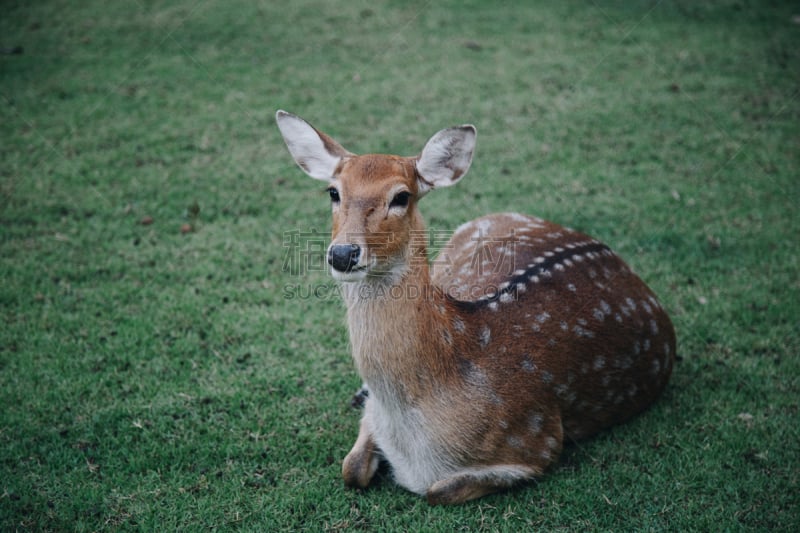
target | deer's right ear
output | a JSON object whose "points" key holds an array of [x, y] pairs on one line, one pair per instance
{"points": [[316, 153]]}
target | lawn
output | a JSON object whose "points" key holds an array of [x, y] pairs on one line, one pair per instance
{"points": [[172, 356]]}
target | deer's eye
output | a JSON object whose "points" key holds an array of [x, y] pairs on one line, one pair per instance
{"points": [[334, 194], [400, 199]]}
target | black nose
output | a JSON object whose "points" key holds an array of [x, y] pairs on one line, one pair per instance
{"points": [[343, 257]]}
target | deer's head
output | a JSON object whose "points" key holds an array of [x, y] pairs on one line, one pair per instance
{"points": [[377, 230]]}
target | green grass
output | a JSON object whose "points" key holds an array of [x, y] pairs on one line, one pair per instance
{"points": [[154, 379]]}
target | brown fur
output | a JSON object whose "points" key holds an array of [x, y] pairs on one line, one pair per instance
{"points": [[521, 334]]}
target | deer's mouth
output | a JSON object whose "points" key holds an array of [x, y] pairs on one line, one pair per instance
{"points": [[356, 273]]}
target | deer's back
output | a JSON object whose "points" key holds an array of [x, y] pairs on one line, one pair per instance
{"points": [[548, 317]]}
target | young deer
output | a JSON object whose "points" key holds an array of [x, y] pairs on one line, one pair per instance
{"points": [[525, 333]]}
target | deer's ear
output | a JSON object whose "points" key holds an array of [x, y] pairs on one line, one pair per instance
{"points": [[446, 157], [316, 153]]}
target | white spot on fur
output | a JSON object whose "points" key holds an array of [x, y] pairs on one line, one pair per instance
{"points": [[448, 338], [535, 423], [599, 362], [485, 336], [514, 441], [528, 365], [654, 301], [656, 368], [484, 225]]}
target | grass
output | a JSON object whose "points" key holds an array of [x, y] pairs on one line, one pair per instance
{"points": [[156, 373]]}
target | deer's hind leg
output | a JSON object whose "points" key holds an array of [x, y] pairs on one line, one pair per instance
{"points": [[475, 482]]}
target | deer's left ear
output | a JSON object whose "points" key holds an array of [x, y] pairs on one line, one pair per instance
{"points": [[446, 157], [316, 153]]}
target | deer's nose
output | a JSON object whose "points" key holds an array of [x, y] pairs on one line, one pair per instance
{"points": [[343, 257]]}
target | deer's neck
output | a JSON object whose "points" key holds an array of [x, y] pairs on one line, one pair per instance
{"points": [[398, 332]]}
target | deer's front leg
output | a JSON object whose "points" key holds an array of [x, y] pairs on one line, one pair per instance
{"points": [[361, 463]]}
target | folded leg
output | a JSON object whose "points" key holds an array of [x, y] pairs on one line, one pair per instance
{"points": [[475, 482], [361, 463]]}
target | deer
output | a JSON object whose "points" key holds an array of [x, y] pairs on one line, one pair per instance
{"points": [[520, 336]]}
